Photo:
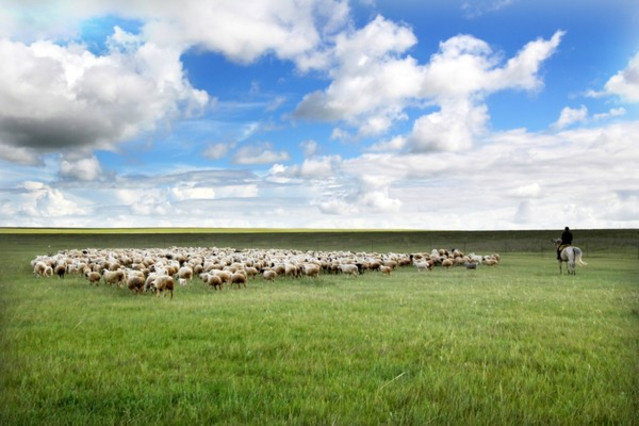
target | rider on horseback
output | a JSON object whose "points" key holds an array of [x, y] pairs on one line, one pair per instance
{"points": [[566, 240]]}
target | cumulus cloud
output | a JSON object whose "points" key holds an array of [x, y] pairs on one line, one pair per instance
{"points": [[309, 147], [190, 190], [241, 31], [625, 83], [261, 153], [247, 30], [217, 151], [460, 76], [38, 199], [83, 169], [370, 81], [570, 116], [64, 98], [374, 81], [452, 128]]}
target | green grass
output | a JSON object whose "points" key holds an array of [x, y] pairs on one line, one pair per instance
{"points": [[513, 344]]}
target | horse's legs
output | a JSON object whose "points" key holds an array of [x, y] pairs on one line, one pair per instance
{"points": [[559, 266]]}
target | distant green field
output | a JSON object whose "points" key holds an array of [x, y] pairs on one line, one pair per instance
{"points": [[511, 344]]}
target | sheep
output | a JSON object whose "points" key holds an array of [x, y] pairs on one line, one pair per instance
{"points": [[251, 271], [225, 276], [40, 269], [238, 278], [349, 269], [311, 270], [385, 269], [185, 272], [490, 261], [422, 265], [269, 275], [113, 277], [135, 283], [470, 265], [215, 281], [162, 284], [291, 270], [447, 263], [93, 277]]}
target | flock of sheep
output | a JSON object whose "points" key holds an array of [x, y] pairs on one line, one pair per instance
{"points": [[158, 270]]}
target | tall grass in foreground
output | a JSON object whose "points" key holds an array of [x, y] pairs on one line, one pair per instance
{"points": [[513, 344]]}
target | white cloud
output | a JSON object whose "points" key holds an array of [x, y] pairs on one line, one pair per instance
{"points": [[570, 116], [241, 31], [64, 98], [261, 153], [613, 112], [84, 169], [42, 201], [309, 147], [217, 151], [532, 190], [372, 84], [189, 190], [460, 76], [453, 128], [625, 83], [245, 31]]}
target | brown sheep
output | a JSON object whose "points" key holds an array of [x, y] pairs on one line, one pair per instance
{"points": [[215, 281], [269, 275], [385, 270], [60, 269], [113, 277], [164, 283], [239, 279], [136, 283], [93, 277], [447, 263]]}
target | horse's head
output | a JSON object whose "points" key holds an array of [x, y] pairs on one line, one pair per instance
{"points": [[557, 242]]}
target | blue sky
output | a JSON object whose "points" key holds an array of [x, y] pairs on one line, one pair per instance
{"points": [[492, 114]]}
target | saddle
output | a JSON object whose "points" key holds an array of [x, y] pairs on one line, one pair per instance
{"points": [[562, 246]]}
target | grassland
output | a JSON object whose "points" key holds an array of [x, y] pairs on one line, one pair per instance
{"points": [[513, 344]]}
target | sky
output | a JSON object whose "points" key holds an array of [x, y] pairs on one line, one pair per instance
{"points": [[375, 114]]}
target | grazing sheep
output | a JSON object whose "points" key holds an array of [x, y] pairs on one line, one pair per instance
{"points": [[40, 269], [60, 269], [385, 269], [422, 265], [311, 270], [185, 272], [349, 269], [215, 281], [113, 277], [251, 271], [238, 278], [183, 282], [269, 275], [135, 283], [164, 283], [447, 263], [93, 277], [470, 265], [490, 261]]}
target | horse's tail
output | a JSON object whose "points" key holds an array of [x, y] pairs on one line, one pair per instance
{"points": [[578, 259]]}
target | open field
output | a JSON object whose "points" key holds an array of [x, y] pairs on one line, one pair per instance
{"points": [[511, 344]]}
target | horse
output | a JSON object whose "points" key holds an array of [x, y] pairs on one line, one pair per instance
{"points": [[571, 255]]}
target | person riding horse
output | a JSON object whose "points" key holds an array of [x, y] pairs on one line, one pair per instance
{"points": [[566, 240]]}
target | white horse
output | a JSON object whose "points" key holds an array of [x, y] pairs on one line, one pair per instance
{"points": [[571, 255]]}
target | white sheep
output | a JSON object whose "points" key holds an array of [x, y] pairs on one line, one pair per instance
{"points": [[162, 284], [349, 269]]}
